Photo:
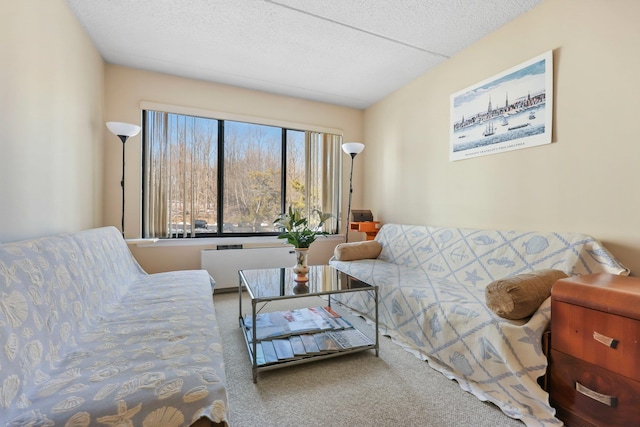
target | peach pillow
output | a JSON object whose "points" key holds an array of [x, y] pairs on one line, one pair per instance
{"points": [[353, 251], [520, 296]]}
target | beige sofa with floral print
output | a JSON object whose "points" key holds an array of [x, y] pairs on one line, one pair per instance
{"points": [[88, 338]]}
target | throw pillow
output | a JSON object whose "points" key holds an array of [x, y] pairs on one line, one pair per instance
{"points": [[520, 296], [367, 249]]}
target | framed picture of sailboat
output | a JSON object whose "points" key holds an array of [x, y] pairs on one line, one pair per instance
{"points": [[509, 111]]}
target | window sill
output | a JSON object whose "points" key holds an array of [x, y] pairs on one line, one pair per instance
{"points": [[246, 242]]}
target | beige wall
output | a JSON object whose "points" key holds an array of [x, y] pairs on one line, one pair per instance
{"points": [[53, 85], [51, 98], [125, 88], [586, 181]]}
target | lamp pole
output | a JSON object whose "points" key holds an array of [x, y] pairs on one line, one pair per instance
{"points": [[346, 236], [352, 149], [123, 131], [123, 138]]}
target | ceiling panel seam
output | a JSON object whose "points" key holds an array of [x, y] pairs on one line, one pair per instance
{"points": [[351, 27]]}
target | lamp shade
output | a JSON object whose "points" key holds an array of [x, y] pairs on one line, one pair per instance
{"points": [[352, 148], [123, 129]]}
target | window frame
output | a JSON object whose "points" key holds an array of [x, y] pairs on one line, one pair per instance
{"points": [[221, 119]]}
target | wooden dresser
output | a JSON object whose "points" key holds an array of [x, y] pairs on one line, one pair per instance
{"points": [[594, 370]]}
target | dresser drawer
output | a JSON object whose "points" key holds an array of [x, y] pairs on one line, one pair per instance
{"points": [[604, 339], [594, 394]]}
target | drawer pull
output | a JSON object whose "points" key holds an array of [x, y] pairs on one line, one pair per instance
{"points": [[609, 342], [602, 398]]}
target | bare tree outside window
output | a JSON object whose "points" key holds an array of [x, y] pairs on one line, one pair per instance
{"points": [[206, 177], [296, 190], [252, 176]]}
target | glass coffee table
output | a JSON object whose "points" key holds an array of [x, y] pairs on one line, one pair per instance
{"points": [[310, 332]]}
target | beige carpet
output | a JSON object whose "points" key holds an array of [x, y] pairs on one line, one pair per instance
{"points": [[395, 389]]}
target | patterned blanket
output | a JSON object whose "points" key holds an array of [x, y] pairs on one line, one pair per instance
{"points": [[431, 295], [88, 338]]}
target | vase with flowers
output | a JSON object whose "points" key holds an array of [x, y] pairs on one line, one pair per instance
{"points": [[298, 231]]}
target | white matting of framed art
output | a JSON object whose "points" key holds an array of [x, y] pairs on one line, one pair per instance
{"points": [[508, 111]]}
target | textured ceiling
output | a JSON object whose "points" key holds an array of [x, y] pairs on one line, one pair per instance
{"points": [[350, 53]]}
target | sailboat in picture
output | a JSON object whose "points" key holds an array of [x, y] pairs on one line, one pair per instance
{"points": [[489, 129]]}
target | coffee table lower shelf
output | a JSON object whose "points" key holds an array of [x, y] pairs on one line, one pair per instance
{"points": [[263, 365]]}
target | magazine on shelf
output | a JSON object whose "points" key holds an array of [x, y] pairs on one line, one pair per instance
{"points": [[350, 338], [326, 344], [310, 345], [297, 345], [280, 324], [289, 335], [269, 352], [335, 320], [260, 354], [283, 349], [345, 324], [331, 312]]}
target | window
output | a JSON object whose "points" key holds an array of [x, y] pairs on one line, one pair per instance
{"points": [[207, 177]]}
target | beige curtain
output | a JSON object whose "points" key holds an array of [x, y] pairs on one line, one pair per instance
{"points": [[172, 183], [323, 176], [157, 173]]}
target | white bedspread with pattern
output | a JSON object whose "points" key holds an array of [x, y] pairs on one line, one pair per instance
{"points": [[431, 295], [88, 339]]}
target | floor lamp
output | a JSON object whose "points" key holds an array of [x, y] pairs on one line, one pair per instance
{"points": [[352, 149], [123, 131]]}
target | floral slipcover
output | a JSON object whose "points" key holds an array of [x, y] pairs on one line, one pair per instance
{"points": [[88, 338], [432, 302]]}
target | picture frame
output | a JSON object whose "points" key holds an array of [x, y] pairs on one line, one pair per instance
{"points": [[508, 111]]}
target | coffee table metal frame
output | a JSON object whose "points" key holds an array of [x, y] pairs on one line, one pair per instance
{"points": [[259, 302]]}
